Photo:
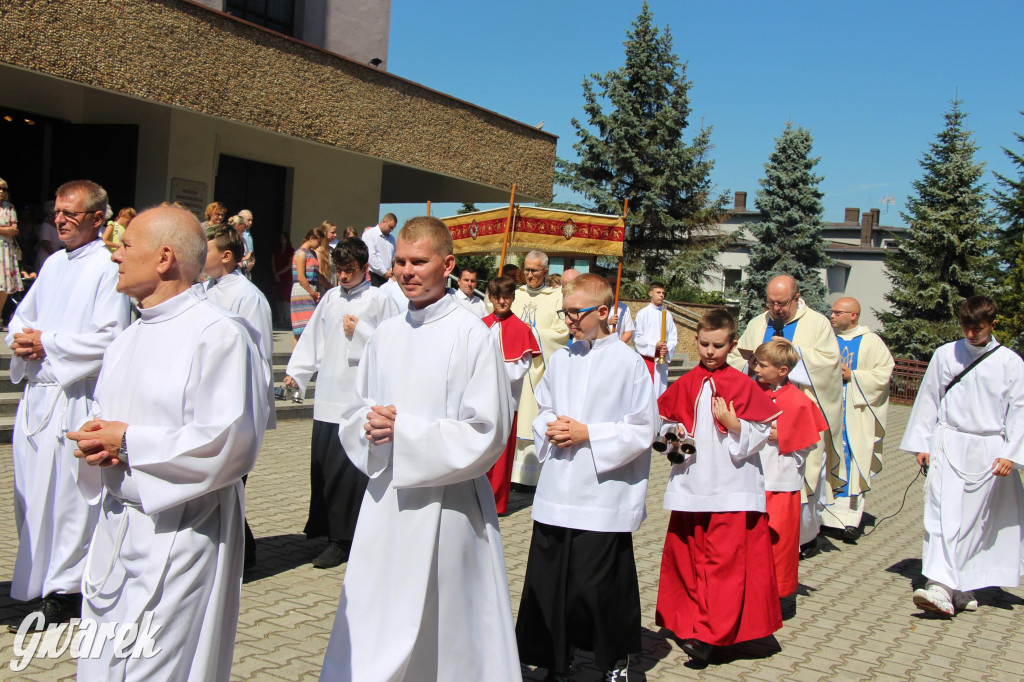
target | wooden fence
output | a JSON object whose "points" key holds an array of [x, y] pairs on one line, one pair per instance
{"points": [[906, 379]]}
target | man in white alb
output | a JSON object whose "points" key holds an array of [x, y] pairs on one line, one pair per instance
{"points": [[58, 334], [425, 594], [180, 410], [381, 245]]}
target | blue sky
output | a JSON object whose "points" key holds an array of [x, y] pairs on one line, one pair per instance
{"points": [[871, 80]]}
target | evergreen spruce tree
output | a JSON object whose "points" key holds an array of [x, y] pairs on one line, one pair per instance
{"points": [[789, 238], [946, 255], [1010, 202], [1010, 324], [636, 150]]}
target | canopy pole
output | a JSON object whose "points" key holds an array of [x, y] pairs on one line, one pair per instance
{"points": [[618, 279], [428, 207], [508, 229]]}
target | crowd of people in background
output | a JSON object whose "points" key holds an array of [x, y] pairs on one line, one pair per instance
{"points": [[432, 404]]}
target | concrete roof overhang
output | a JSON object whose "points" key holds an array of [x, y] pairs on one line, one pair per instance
{"points": [[178, 53]]}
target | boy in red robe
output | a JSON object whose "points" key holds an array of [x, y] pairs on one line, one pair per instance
{"points": [[795, 433], [718, 583], [518, 347]]}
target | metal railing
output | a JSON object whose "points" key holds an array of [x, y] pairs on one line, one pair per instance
{"points": [[906, 380]]}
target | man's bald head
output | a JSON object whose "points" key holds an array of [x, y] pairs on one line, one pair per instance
{"points": [[180, 231], [569, 275], [845, 314], [782, 296]]}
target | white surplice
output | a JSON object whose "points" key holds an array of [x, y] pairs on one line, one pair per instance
{"points": [[189, 382], [625, 323], [425, 594], [235, 293], [394, 291], [515, 369], [600, 485], [474, 305], [724, 475], [324, 347], [75, 304], [646, 337], [972, 518]]}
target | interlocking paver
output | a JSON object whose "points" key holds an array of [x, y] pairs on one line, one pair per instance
{"points": [[853, 618]]}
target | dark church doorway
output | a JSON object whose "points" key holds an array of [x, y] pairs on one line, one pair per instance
{"points": [[259, 187]]}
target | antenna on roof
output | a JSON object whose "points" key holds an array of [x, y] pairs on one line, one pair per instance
{"points": [[887, 201]]}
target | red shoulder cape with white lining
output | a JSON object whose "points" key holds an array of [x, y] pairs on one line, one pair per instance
{"points": [[517, 338], [801, 422], [679, 402]]}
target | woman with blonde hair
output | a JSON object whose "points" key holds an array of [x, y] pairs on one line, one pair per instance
{"points": [[305, 275], [116, 228], [328, 275], [10, 274]]}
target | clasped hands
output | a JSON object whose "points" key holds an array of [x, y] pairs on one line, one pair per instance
{"points": [[1000, 467], [565, 432], [28, 344], [99, 442], [380, 424]]}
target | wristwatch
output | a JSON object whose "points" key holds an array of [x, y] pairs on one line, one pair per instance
{"points": [[123, 452]]}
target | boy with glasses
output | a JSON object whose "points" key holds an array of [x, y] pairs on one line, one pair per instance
{"points": [[593, 434]]}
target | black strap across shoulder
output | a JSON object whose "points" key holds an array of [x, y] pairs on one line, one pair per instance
{"points": [[969, 367]]}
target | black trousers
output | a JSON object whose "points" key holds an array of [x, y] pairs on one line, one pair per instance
{"points": [[581, 591], [336, 486]]}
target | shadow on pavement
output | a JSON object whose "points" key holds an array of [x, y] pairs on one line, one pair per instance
{"points": [[911, 570], [766, 647], [12, 611], [279, 553]]}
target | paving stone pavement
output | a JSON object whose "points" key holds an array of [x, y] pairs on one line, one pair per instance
{"points": [[853, 618]]}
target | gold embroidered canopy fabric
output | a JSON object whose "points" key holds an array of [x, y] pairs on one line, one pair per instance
{"points": [[548, 230]]}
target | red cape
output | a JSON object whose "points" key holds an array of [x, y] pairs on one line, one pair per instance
{"points": [[679, 402], [801, 422], [517, 338]]}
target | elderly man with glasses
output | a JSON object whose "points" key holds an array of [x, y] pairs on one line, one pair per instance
{"points": [[867, 368], [818, 375], [537, 305]]}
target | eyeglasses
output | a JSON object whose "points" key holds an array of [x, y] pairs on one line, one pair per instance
{"points": [[836, 313], [69, 214], [779, 304], [533, 271], [575, 315]]}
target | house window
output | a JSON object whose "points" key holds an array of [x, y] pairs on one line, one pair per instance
{"points": [[277, 15], [732, 279]]}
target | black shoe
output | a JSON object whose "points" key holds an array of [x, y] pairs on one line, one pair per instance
{"points": [[56, 609], [810, 549], [697, 650], [334, 554], [851, 534]]}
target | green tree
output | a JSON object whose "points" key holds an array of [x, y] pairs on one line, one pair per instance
{"points": [[788, 239], [946, 255], [1010, 327], [633, 147], [1010, 203]]}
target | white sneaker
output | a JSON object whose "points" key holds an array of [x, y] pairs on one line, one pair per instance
{"points": [[965, 601], [934, 599]]}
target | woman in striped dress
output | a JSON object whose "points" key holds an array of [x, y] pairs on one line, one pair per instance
{"points": [[305, 272], [10, 274]]}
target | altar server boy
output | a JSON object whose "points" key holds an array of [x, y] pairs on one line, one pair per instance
{"points": [[519, 347], [593, 434], [967, 428], [792, 437], [718, 583], [648, 339]]}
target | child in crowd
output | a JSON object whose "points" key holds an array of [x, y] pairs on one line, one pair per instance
{"points": [[718, 584], [648, 341], [783, 458], [518, 347], [967, 429], [593, 434]]}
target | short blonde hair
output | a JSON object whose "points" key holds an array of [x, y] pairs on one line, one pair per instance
{"points": [[428, 227], [778, 353], [594, 286]]}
